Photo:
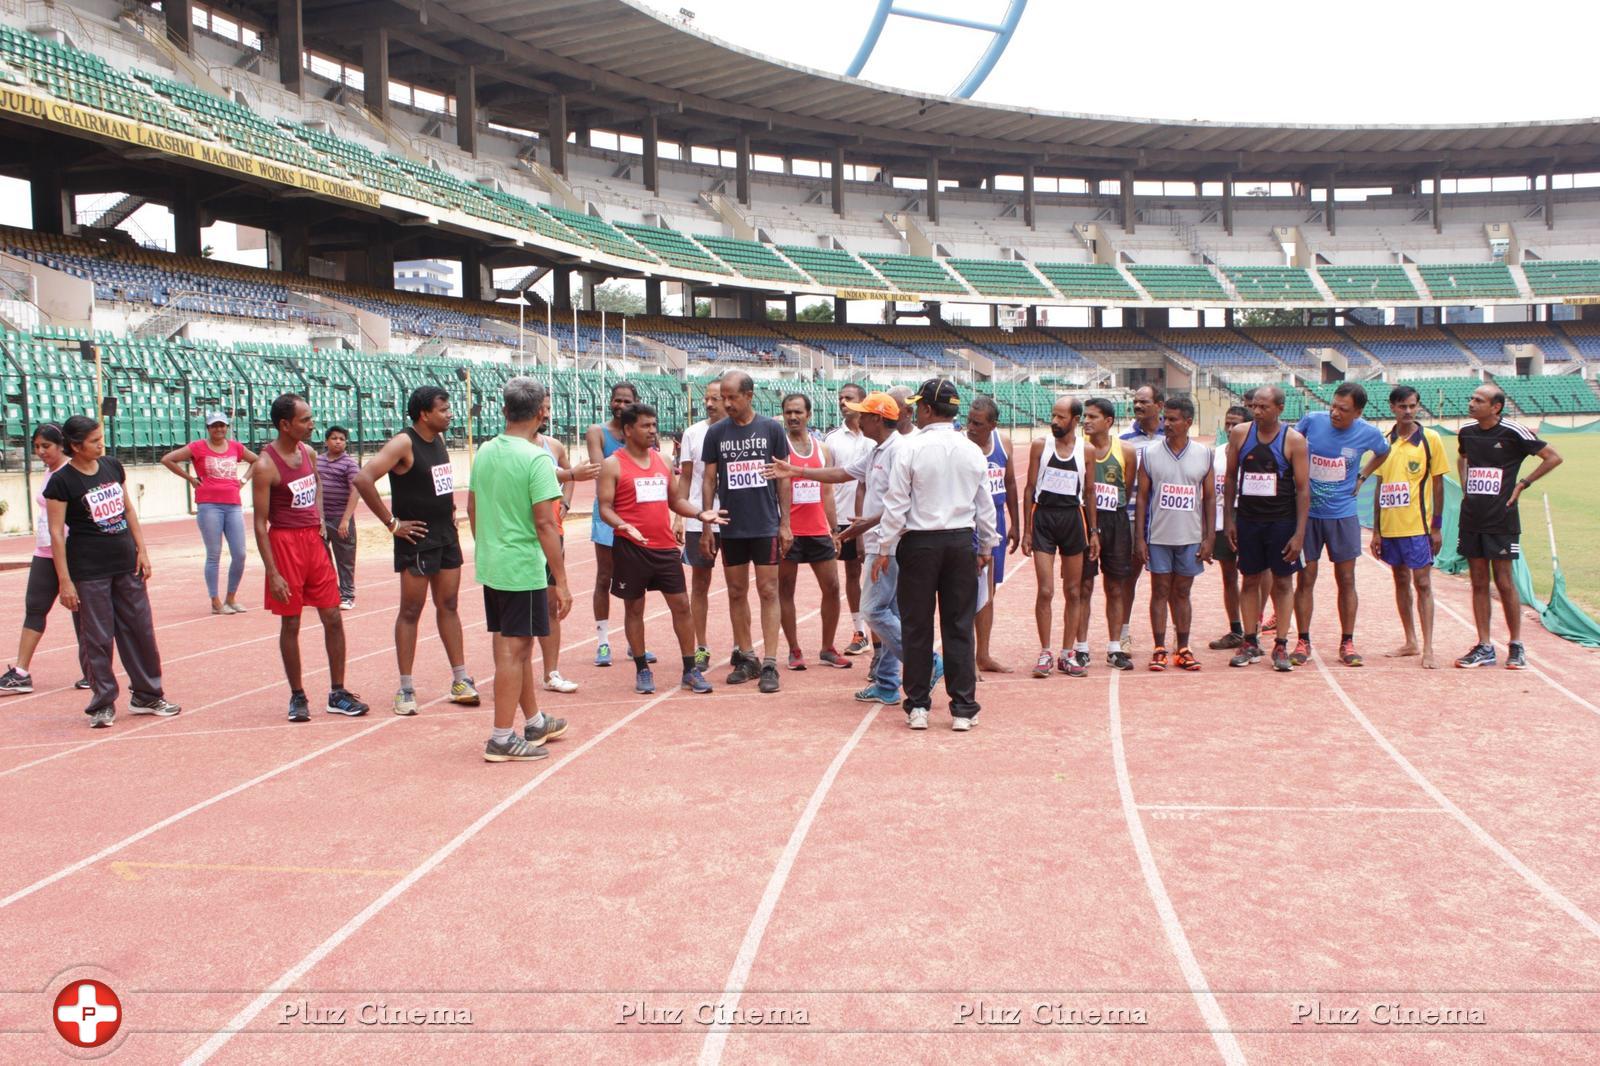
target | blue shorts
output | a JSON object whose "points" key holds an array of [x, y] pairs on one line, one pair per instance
{"points": [[1342, 536], [1413, 553], [600, 533], [1261, 546], [1180, 559]]}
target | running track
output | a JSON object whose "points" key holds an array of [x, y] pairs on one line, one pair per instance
{"points": [[1223, 852]]}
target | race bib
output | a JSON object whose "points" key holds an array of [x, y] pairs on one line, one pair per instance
{"points": [[1221, 493], [997, 480], [808, 492], [746, 474], [1251, 484], [650, 489], [1393, 494], [444, 479], [303, 492], [1484, 480], [1107, 497], [1327, 468], [1177, 497], [1061, 482], [222, 467], [107, 506]]}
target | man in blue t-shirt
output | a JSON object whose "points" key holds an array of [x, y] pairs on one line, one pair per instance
{"points": [[1336, 440]]}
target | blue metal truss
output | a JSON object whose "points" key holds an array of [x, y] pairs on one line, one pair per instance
{"points": [[1001, 37]]}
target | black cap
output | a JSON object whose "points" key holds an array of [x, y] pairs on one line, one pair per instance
{"points": [[939, 390]]}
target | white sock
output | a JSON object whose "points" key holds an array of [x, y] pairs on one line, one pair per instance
{"points": [[458, 673], [1126, 632], [21, 672], [500, 736], [1113, 646], [1082, 645], [537, 721], [602, 631], [407, 683], [856, 619]]}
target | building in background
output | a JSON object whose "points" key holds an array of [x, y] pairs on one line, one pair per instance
{"points": [[425, 275]]}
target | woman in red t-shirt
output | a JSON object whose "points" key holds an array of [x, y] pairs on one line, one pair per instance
{"points": [[217, 463]]}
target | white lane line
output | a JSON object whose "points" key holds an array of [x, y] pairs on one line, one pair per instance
{"points": [[717, 1037], [112, 849], [1210, 1010], [289, 977], [1293, 810], [1539, 884]]}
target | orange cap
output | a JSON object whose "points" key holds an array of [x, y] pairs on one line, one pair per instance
{"points": [[877, 403]]}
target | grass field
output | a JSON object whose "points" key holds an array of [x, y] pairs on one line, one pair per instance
{"points": [[1577, 518]]}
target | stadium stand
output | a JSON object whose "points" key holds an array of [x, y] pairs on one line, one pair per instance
{"points": [[1368, 284], [1441, 397], [911, 273], [832, 266], [1294, 399], [1215, 348], [1178, 282], [1550, 278], [1402, 346], [1273, 283], [82, 78], [602, 234], [1288, 344], [1080, 281], [1585, 336], [1468, 280], [673, 248], [1559, 394], [1000, 277], [1488, 342], [751, 259]]}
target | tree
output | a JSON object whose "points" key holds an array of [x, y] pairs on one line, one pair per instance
{"points": [[618, 298], [1264, 317], [821, 311], [702, 309]]}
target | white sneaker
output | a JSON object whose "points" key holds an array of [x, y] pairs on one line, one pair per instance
{"points": [[554, 682], [917, 719], [961, 725], [347, 605]]}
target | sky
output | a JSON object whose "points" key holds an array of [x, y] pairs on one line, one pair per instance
{"points": [[1377, 62]]}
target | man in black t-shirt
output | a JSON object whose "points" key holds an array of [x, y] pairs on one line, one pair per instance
{"points": [[1490, 454], [737, 452]]}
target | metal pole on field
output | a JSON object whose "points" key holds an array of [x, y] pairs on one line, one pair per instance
{"points": [[602, 347], [550, 339], [1549, 525], [522, 315], [469, 422]]}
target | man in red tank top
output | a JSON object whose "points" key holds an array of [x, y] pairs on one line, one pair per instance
{"points": [[287, 492], [812, 520], [637, 497]]}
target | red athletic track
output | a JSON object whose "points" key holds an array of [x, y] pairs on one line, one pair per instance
{"points": [[1214, 849]]}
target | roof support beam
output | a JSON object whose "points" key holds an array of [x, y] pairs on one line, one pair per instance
{"points": [[1332, 181], [1549, 199], [933, 189], [837, 179], [375, 72], [1438, 200], [557, 126], [652, 154], [1126, 186], [1029, 205], [742, 154], [1227, 202], [291, 45], [467, 109]]}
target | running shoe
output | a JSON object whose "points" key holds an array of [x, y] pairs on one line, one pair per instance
{"points": [[962, 725], [1348, 654], [644, 682], [695, 681], [1249, 653], [879, 694], [1282, 661], [602, 655], [831, 657], [347, 605], [1269, 618], [1480, 655], [102, 718], [513, 749], [554, 682], [1301, 653], [157, 706], [1119, 660], [1064, 660], [82, 683], [1082, 656], [552, 729], [917, 718], [1045, 666], [465, 692], [745, 669], [702, 658], [1186, 660], [299, 709], [858, 643], [769, 678], [1158, 659], [797, 659], [1227, 642], [1076, 665], [405, 703], [15, 684], [1516, 658], [343, 701]]}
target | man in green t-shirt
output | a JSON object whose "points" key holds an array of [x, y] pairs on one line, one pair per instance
{"points": [[516, 529]]}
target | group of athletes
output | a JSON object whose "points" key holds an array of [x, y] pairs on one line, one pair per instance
{"points": [[765, 499]]}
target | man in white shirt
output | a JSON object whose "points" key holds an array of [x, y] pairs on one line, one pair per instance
{"points": [[938, 496], [691, 481], [879, 420], [845, 445]]}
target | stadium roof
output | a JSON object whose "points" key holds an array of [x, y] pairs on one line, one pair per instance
{"points": [[617, 62]]}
